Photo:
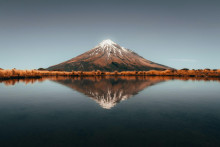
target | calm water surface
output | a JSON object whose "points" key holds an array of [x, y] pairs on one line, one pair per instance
{"points": [[121, 111]]}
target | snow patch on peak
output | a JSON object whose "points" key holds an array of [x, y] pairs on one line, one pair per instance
{"points": [[107, 42], [109, 48], [124, 49]]}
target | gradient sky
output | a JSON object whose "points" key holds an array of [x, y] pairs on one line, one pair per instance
{"points": [[176, 33]]}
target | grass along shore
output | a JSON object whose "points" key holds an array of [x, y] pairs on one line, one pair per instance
{"points": [[21, 74]]}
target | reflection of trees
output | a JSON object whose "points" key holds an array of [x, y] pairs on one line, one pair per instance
{"points": [[97, 78]]}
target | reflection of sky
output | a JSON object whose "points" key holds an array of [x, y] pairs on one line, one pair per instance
{"points": [[46, 32]]}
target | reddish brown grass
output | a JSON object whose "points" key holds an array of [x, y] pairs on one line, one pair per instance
{"points": [[14, 73]]}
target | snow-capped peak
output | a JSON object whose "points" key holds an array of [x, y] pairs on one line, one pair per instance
{"points": [[110, 48], [107, 42]]}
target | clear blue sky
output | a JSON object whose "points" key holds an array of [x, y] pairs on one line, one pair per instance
{"points": [[176, 33]]}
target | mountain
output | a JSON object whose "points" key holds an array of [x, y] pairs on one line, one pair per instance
{"points": [[109, 91], [108, 56]]}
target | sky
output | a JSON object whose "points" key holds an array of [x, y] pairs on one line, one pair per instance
{"points": [[176, 33]]}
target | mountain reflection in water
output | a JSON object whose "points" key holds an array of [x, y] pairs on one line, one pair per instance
{"points": [[108, 92]]}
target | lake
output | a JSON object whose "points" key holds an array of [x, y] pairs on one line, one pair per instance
{"points": [[110, 111]]}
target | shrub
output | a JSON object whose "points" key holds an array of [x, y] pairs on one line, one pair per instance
{"points": [[98, 72], [116, 72], [93, 72], [186, 69], [141, 73], [207, 69]]}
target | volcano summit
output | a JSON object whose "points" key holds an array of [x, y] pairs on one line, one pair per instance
{"points": [[108, 56]]}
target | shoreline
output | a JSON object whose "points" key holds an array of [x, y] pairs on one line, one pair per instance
{"points": [[37, 74]]}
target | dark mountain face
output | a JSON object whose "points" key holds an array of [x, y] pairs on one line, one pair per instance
{"points": [[108, 56]]}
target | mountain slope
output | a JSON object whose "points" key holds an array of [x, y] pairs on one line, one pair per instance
{"points": [[108, 56]]}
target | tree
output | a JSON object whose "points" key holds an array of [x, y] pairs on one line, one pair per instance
{"points": [[207, 69], [41, 69]]}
